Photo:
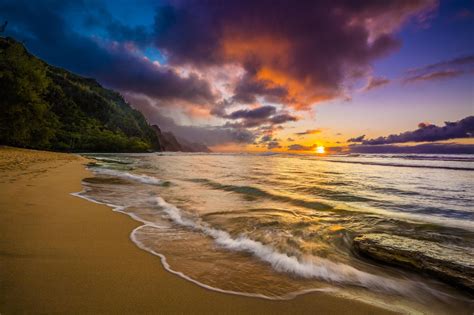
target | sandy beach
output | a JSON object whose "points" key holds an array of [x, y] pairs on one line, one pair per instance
{"points": [[62, 254]]}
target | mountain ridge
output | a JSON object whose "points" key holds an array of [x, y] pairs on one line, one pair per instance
{"points": [[169, 142], [50, 108]]}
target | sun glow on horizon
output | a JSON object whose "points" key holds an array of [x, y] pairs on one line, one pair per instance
{"points": [[320, 149]]}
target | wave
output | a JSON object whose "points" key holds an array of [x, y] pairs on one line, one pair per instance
{"points": [[403, 165], [316, 268], [142, 178], [256, 192], [109, 160], [83, 194], [310, 267], [429, 157]]}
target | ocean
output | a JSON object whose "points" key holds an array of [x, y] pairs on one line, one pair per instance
{"points": [[277, 225]]}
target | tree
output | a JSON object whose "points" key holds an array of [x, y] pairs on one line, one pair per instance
{"points": [[25, 118]]}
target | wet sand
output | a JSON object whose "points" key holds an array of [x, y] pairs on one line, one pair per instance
{"points": [[63, 254]]}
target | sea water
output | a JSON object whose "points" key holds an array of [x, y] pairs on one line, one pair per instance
{"points": [[275, 226]]}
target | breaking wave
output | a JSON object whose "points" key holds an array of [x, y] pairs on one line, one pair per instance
{"points": [[313, 267], [142, 178]]}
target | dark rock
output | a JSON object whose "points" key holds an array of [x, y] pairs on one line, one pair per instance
{"points": [[168, 142], [193, 146], [451, 263]]}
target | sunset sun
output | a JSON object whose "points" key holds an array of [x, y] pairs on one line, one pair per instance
{"points": [[320, 149]]}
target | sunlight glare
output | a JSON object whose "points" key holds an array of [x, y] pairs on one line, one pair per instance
{"points": [[320, 149]]}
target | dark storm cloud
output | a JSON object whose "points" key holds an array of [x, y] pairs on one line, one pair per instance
{"points": [[445, 69], [299, 54], [263, 115], [247, 90], [46, 33], [261, 112], [99, 18], [131, 73], [463, 128]]}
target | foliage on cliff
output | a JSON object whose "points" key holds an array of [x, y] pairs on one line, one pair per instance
{"points": [[44, 107]]}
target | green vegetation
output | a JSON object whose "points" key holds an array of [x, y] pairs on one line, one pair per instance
{"points": [[44, 107]]}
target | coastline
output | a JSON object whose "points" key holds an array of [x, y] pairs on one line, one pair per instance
{"points": [[63, 254]]}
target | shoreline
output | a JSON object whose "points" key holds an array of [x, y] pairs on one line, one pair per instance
{"points": [[62, 254]]}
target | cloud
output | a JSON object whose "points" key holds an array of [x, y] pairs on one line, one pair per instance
{"points": [[271, 52], [290, 139], [357, 139], [463, 128], [308, 132], [464, 14], [375, 82], [261, 112], [454, 62], [98, 18], [248, 88], [282, 118], [115, 64], [131, 73], [273, 145], [299, 147], [300, 62], [263, 115], [445, 69], [435, 75], [208, 135]]}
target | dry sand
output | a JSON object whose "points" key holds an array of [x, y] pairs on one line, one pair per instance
{"points": [[63, 254]]}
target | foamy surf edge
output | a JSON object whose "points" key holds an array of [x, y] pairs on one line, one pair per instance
{"points": [[314, 268], [402, 309], [168, 268]]}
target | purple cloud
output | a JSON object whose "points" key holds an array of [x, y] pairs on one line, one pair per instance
{"points": [[376, 83], [357, 139], [463, 128], [445, 69], [298, 64]]}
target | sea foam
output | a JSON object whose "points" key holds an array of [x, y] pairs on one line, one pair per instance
{"points": [[313, 267]]}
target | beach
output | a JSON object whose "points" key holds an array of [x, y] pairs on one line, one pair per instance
{"points": [[63, 254]]}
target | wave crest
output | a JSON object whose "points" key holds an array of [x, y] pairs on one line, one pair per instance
{"points": [[141, 178], [310, 267]]}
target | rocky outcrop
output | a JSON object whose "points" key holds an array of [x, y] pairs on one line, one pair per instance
{"points": [[188, 146], [450, 263], [168, 142]]}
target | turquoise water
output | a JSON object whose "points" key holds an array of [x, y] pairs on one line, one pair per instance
{"points": [[278, 225]]}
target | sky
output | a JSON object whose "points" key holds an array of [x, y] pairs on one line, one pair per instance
{"points": [[358, 76]]}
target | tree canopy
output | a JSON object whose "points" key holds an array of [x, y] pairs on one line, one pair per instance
{"points": [[44, 107]]}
